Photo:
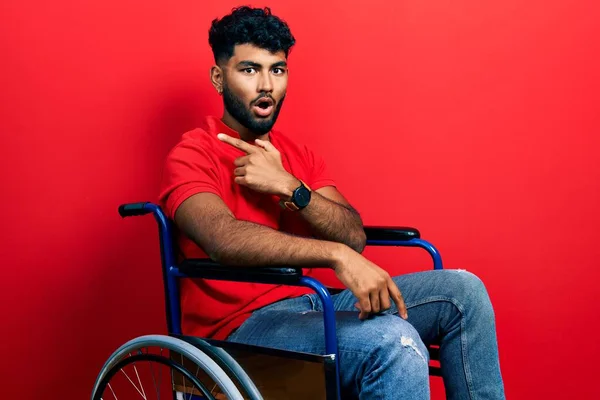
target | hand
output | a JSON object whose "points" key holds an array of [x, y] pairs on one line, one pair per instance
{"points": [[261, 169], [371, 285]]}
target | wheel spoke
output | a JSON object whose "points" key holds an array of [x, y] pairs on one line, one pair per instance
{"points": [[196, 375], [140, 382], [153, 378], [136, 388], [172, 379], [183, 378], [113, 392], [160, 372]]}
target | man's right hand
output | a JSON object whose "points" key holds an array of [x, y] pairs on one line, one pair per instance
{"points": [[371, 285]]}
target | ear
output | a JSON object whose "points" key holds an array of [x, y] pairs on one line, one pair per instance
{"points": [[216, 78]]}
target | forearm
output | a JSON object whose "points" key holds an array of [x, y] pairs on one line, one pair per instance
{"points": [[335, 222], [262, 171], [242, 243]]}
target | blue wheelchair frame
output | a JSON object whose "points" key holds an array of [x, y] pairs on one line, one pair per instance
{"points": [[376, 236]]}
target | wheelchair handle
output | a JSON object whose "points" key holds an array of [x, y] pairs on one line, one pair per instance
{"points": [[134, 209]]}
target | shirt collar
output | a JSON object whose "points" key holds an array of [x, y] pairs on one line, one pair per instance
{"points": [[216, 126]]}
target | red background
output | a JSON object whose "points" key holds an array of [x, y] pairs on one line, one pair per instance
{"points": [[476, 122]]}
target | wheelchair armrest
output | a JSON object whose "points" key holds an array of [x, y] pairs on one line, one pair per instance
{"points": [[208, 269], [134, 209], [401, 236], [391, 233]]}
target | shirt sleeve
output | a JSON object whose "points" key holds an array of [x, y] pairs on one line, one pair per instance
{"points": [[188, 170], [319, 173]]}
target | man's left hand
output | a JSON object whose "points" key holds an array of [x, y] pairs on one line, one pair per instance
{"points": [[261, 168]]}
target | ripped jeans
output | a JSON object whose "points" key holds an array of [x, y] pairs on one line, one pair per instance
{"points": [[385, 357]]}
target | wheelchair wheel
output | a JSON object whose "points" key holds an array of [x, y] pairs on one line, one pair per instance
{"points": [[162, 367]]}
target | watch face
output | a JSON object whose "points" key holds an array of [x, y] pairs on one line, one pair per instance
{"points": [[301, 197]]}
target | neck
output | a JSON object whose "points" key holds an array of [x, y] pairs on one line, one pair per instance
{"points": [[245, 134]]}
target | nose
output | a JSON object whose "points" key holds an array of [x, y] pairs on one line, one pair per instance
{"points": [[265, 83]]}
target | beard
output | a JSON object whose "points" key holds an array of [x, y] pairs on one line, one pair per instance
{"points": [[242, 113]]}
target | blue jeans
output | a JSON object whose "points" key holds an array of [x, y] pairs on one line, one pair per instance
{"points": [[385, 357]]}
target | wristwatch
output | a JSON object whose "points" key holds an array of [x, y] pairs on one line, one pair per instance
{"points": [[300, 198]]}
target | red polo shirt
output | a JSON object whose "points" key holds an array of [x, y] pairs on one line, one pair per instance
{"points": [[202, 163]]}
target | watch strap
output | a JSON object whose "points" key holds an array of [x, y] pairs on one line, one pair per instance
{"points": [[290, 205]]}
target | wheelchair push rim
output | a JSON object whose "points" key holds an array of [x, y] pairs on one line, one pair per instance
{"points": [[150, 367]]}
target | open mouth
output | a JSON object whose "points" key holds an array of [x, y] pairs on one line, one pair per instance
{"points": [[263, 106]]}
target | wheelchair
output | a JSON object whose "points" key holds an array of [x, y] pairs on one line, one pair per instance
{"points": [[181, 367]]}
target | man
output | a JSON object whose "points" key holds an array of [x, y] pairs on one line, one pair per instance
{"points": [[246, 195]]}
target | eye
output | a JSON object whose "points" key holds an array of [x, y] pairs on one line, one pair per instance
{"points": [[249, 70], [278, 71]]}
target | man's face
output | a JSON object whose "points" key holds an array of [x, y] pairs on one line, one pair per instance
{"points": [[254, 86]]}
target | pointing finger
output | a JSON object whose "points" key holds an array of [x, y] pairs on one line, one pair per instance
{"points": [[237, 143], [265, 144]]}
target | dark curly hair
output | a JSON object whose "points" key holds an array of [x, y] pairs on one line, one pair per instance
{"points": [[257, 26]]}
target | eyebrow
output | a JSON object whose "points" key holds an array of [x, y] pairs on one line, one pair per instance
{"points": [[247, 63]]}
